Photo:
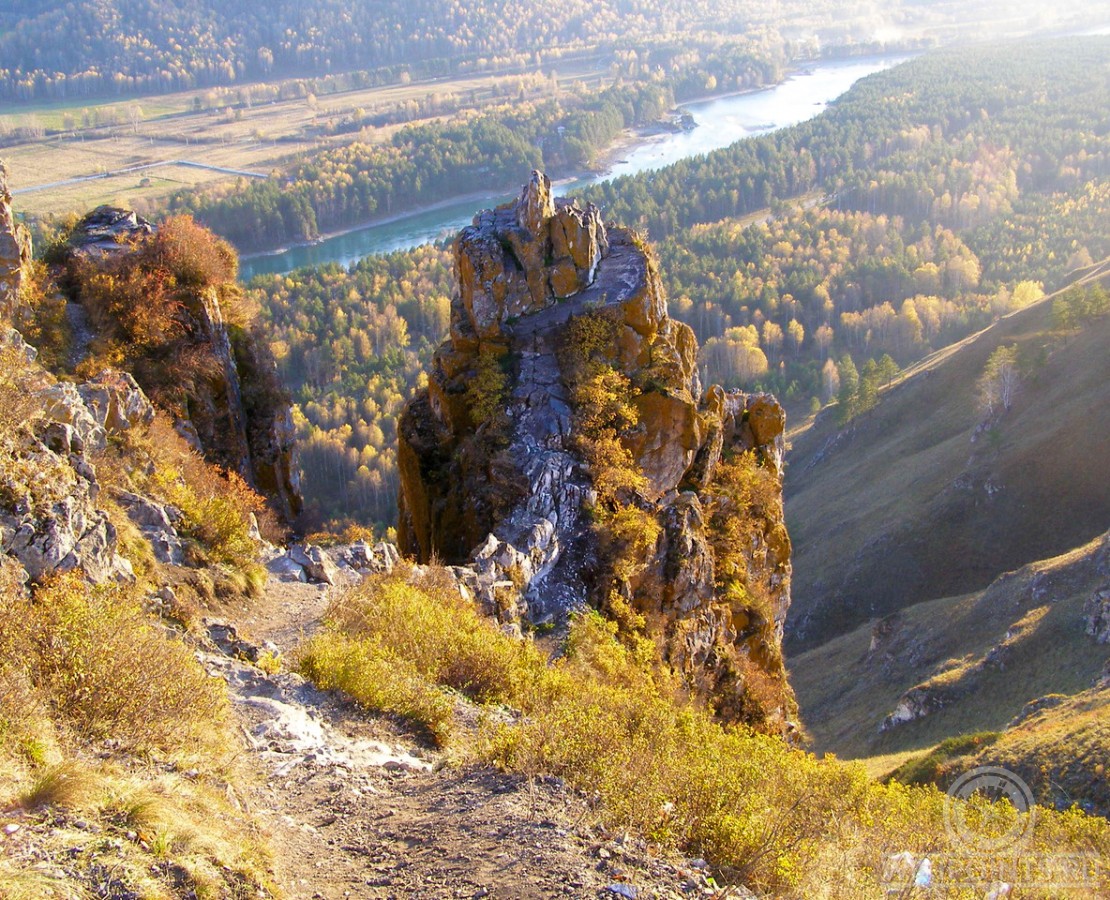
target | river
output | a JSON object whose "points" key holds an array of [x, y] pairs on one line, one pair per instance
{"points": [[719, 121]]}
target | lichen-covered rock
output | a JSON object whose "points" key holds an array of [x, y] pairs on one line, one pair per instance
{"points": [[507, 501], [518, 259]]}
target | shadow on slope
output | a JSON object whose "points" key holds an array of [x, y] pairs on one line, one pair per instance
{"points": [[919, 499]]}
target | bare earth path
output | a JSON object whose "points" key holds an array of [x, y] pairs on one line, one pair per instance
{"points": [[357, 808]]}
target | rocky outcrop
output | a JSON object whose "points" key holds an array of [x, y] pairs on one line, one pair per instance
{"points": [[498, 487], [1096, 615], [234, 411], [15, 251], [335, 565], [916, 704], [50, 520]]}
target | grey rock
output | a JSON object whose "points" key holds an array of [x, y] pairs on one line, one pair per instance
{"points": [[144, 512], [63, 403], [9, 337], [166, 545], [285, 569], [1096, 616], [62, 439], [15, 251], [116, 401], [316, 563]]}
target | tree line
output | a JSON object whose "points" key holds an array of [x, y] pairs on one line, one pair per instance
{"points": [[91, 48]]}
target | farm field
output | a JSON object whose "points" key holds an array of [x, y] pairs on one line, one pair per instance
{"points": [[228, 132]]}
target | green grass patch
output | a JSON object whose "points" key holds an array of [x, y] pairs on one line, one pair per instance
{"points": [[931, 767]]}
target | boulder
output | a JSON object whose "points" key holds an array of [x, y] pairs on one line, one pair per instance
{"points": [[63, 403], [286, 569], [116, 401], [317, 566]]}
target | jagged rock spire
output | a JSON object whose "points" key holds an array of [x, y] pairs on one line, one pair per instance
{"points": [[511, 505]]}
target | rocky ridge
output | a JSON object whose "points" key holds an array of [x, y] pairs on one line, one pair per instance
{"points": [[52, 512], [510, 503], [254, 439], [15, 250]]}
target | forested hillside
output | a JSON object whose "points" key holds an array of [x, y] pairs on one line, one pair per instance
{"points": [[956, 187], [815, 303], [51, 50], [427, 162]]}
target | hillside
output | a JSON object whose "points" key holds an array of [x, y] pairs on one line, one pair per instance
{"points": [[922, 498], [1017, 658], [50, 50]]}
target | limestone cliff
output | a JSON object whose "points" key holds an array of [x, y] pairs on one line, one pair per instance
{"points": [[218, 380], [502, 476]]}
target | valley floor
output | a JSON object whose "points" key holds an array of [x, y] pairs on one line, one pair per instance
{"points": [[357, 808]]}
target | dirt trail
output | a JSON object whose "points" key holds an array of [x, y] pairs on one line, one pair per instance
{"points": [[357, 808]]}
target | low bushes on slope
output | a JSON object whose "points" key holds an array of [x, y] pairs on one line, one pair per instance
{"points": [[609, 719], [100, 715]]}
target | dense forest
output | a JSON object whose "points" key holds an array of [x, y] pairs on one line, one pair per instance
{"points": [[957, 136], [941, 222], [93, 48], [424, 163], [352, 344]]}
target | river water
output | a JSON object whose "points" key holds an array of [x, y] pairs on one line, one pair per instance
{"points": [[719, 121]]}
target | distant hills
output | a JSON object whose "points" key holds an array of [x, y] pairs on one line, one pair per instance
{"points": [[952, 568], [53, 50], [921, 498]]}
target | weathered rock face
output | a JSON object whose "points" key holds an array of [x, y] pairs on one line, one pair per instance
{"points": [[53, 523], [506, 498], [1096, 616], [15, 251], [237, 415]]}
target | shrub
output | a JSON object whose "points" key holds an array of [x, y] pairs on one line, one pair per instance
{"points": [[107, 673], [216, 505], [454, 648], [611, 719], [487, 395], [378, 680], [930, 767]]}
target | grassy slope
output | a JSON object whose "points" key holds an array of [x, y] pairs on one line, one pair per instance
{"points": [[846, 688], [895, 509], [1061, 752]]}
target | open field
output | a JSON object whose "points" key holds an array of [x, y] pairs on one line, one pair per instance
{"points": [[232, 134]]}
